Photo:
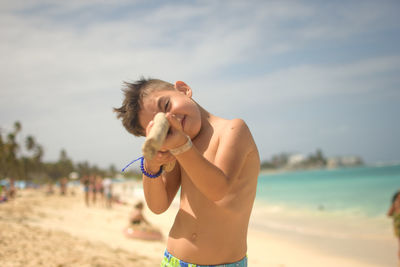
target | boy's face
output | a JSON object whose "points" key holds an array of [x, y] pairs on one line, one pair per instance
{"points": [[177, 102]]}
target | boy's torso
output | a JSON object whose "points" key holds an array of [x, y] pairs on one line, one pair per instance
{"points": [[208, 232]]}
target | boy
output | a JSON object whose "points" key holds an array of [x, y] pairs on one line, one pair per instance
{"points": [[217, 165]]}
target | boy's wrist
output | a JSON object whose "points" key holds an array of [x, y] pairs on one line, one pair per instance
{"points": [[152, 168], [150, 173], [183, 148]]}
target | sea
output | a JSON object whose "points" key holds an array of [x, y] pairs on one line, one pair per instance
{"points": [[365, 191], [339, 211]]}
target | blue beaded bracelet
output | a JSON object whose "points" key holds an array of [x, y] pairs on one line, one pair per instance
{"points": [[149, 174]]}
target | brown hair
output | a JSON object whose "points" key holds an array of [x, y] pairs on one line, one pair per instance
{"points": [[132, 103]]}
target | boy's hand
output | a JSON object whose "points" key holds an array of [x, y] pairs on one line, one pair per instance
{"points": [[162, 157], [176, 137]]}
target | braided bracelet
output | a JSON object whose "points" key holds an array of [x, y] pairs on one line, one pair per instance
{"points": [[149, 174], [183, 148]]}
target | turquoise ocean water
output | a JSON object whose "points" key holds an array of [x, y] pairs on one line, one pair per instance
{"points": [[340, 212], [362, 191]]}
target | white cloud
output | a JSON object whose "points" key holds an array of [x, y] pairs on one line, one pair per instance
{"points": [[63, 64], [307, 82]]}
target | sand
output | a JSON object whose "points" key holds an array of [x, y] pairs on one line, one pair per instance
{"points": [[42, 230]]}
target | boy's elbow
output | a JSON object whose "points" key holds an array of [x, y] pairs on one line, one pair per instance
{"points": [[157, 210]]}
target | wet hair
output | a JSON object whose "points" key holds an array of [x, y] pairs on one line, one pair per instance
{"points": [[395, 196], [134, 94]]}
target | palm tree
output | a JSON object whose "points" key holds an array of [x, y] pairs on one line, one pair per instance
{"points": [[17, 127], [38, 153], [11, 150], [13, 164], [65, 164], [33, 164], [112, 170], [83, 168], [14, 168], [30, 143]]}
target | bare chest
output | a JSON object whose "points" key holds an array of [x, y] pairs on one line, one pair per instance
{"points": [[207, 146]]}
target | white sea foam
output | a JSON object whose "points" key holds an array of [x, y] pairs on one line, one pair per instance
{"points": [[313, 223]]}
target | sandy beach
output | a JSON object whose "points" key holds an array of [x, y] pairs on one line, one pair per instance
{"points": [[53, 230]]}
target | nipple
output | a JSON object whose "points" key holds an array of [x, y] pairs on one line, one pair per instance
{"points": [[194, 237]]}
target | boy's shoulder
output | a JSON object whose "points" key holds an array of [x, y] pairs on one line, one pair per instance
{"points": [[235, 126], [235, 131], [232, 123], [238, 123]]}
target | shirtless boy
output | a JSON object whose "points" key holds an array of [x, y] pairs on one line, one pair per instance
{"points": [[217, 165]]}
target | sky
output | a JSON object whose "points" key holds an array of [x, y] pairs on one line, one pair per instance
{"points": [[304, 75]]}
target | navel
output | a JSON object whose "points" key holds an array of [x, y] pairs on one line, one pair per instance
{"points": [[194, 237]]}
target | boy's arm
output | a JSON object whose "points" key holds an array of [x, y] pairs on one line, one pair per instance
{"points": [[215, 180], [391, 210], [160, 192]]}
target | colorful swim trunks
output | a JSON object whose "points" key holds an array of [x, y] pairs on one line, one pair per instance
{"points": [[171, 261]]}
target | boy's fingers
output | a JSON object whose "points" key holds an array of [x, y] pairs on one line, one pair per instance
{"points": [[161, 158], [161, 153], [149, 126], [164, 157], [173, 121]]}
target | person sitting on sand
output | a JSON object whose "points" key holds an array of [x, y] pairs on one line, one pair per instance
{"points": [[217, 166], [394, 212], [136, 216], [139, 227]]}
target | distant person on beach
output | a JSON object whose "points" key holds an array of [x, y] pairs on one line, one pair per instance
{"points": [[394, 212], [100, 188], [86, 188], [107, 191], [63, 186], [93, 188], [11, 191], [217, 165], [3, 193], [50, 188]]}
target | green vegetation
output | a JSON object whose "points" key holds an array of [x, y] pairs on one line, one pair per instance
{"points": [[23, 160]]}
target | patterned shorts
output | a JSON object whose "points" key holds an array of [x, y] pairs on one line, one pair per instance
{"points": [[171, 261]]}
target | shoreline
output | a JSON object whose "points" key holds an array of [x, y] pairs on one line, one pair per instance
{"points": [[369, 241]]}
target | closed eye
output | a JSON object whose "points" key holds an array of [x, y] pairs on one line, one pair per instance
{"points": [[166, 105]]}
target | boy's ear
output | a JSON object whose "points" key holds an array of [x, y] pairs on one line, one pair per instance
{"points": [[183, 88]]}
